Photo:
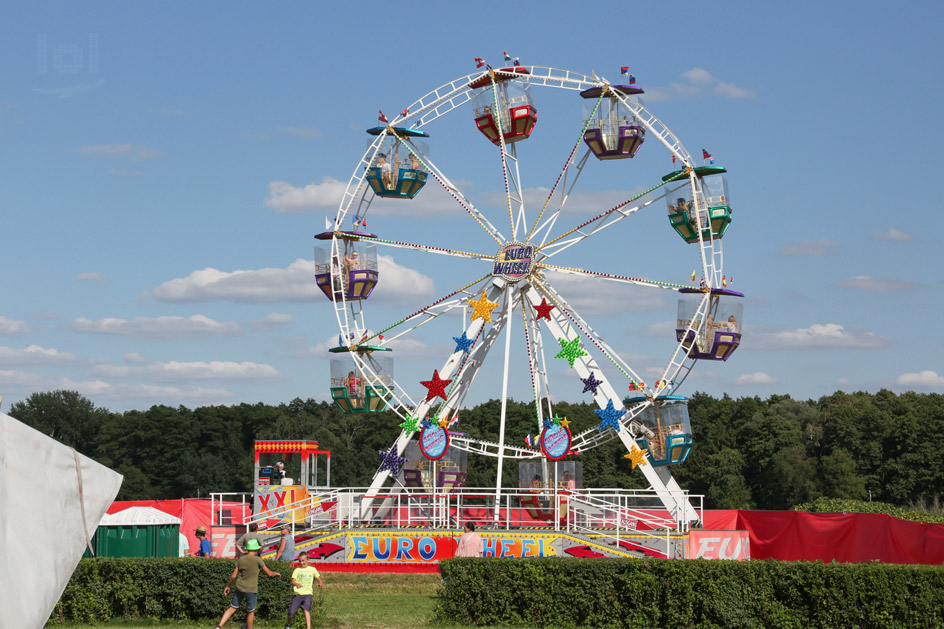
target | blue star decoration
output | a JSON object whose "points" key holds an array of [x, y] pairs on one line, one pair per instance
{"points": [[425, 423], [391, 461], [591, 384], [463, 343], [609, 416], [548, 423]]}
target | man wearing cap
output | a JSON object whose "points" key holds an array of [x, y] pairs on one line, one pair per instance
{"points": [[246, 574], [204, 543]]}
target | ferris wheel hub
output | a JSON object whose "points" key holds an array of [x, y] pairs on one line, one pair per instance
{"points": [[514, 261]]}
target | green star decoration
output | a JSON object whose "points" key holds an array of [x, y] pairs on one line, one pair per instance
{"points": [[410, 424], [570, 350]]}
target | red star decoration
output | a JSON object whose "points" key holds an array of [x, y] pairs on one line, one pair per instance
{"points": [[544, 310], [436, 386]]}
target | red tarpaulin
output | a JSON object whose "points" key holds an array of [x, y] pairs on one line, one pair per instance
{"points": [[851, 537]]}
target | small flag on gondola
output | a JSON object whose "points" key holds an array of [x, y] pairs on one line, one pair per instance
{"points": [[673, 158], [693, 275], [706, 155], [382, 117], [624, 70], [507, 56], [724, 281], [517, 63], [528, 441], [404, 112], [632, 79], [479, 62]]}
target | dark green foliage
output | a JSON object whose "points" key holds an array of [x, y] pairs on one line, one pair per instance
{"points": [[177, 589], [749, 453], [662, 593], [838, 505]]}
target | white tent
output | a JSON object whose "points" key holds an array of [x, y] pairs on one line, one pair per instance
{"points": [[140, 516], [51, 500]]}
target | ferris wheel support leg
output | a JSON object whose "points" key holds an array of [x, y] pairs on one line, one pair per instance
{"points": [[509, 303]]}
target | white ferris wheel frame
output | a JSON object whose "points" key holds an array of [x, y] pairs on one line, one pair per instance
{"points": [[565, 322]]}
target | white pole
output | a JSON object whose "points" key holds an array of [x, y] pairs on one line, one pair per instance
{"points": [[504, 405]]}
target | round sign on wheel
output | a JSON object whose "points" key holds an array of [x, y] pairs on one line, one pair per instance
{"points": [[434, 441], [555, 442]]}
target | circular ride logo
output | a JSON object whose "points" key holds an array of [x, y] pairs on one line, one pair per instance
{"points": [[555, 442], [514, 261], [434, 441]]}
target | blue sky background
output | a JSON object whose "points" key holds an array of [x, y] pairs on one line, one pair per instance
{"points": [[165, 167]]}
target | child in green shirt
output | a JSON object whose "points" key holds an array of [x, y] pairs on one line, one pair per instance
{"points": [[303, 579]]}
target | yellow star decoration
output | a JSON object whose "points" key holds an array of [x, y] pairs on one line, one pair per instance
{"points": [[637, 456], [443, 422], [565, 423], [482, 308]]}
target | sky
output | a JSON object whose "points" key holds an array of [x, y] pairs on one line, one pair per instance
{"points": [[165, 167]]}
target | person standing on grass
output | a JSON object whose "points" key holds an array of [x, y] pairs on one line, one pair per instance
{"points": [[246, 574], [470, 544], [303, 579]]}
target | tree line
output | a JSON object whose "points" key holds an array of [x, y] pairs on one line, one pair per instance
{"points": [[749, 453]]}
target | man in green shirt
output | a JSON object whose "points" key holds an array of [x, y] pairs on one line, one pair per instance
{"points": [[246, 574]]}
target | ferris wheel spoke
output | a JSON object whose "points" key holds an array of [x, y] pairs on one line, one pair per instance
{"points": [[599, 222], [608, 277], [567, 164], [543, 231], [570, 313], [456, 253], [464, 202], [433, 310]]}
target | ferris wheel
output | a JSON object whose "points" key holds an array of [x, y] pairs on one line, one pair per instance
{"points": [[513, 300]]}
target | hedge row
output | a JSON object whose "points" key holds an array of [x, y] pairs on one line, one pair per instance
{"points": [[840, 505], [662, 593], [178, 589]]}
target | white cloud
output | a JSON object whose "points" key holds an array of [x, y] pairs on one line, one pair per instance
{"points": [[293, 283], [432, 200], [828, 335], [926, 378], [20, 381], [10, 327], [157, 327], [175, 371], [729, 90], [698, 76], [758, 377], [301, 131], [33, 355], [123, 151], [869, 284], [893, 235], [147, 393], [597, 296], [397, 284], [810, 248], [400, 285], [91, 277], [661, 329], [271, 321], [285, 198], [133, 357], [696, 81]]}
